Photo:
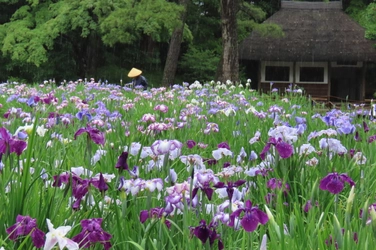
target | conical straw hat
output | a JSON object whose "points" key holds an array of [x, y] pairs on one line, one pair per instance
{"points": [[134, 72]]}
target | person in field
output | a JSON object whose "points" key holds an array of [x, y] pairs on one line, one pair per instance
{"points": [[138, 80]]}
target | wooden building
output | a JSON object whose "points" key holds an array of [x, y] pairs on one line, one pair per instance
{"points": [[323, 51]]}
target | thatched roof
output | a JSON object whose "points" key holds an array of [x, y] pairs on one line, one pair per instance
{"points": [[313, 32]]}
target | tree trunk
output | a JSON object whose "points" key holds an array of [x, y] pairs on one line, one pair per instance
{"points": [[174, 49], [229, 68]]}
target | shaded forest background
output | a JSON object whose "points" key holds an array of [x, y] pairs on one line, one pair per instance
{"points": [[70, 39]]}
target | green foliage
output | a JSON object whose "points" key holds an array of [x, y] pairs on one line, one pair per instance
{"points": [[200, 65], [269, 6], [32, 31], [250, 17], [130, 20], [365, 15], [270, 29], [370, 21], [41, 39]]}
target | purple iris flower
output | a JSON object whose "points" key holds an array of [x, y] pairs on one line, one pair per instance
{"points": [[307, 206], [226, 164], [284, 149], [60, 179], [204, 232], [191, 144], [48, 100], [365, 127], [100, 184], [210, 161], [94, 134], [274, 183], [156, 213], [122, 162], [224, 145], [251, 218], [371, 138], [335, 182], [24, 226], [9, 144], [202, 180], [80, 187], [205, 187], [357, 137], [92, 233], [230, 187]]}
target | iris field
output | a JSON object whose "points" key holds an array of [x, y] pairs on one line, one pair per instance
{"points": [[194, 166]]}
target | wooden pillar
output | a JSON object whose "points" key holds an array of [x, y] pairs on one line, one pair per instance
{"points": [[293, 73], [329, 81], [363, 82], [259, 77]]}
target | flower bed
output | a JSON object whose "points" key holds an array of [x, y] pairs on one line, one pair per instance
{"points": [[195, 166]]}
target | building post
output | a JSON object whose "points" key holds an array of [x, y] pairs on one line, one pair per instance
{"points": [[363, 82], [259, 77]]}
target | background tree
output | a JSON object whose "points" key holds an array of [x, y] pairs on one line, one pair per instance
{"points": [[69, 39], [238, 19], [229, 66], [174, 48], [82, 31]]}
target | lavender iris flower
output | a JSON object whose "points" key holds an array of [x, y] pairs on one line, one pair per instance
{"points": [[92, 233], [334, 182], [172, 177], [24, 226], [346, 128], [31, 102], [251, 218], [230, 187], [82, 114], [300, 120], [161, 147]]}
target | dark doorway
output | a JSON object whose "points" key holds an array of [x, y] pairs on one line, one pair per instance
{"points": [[250, 70], [345, 84]]}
